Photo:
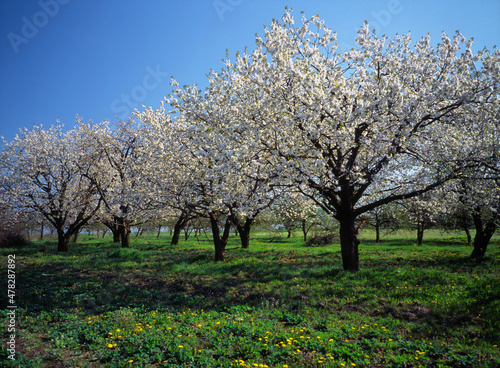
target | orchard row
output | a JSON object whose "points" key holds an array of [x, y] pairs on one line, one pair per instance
{"points": [[295, 125]]}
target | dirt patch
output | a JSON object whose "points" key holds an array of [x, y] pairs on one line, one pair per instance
{"points": [[405, 311]]}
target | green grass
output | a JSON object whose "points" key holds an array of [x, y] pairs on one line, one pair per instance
{"points": [[276, 304]]}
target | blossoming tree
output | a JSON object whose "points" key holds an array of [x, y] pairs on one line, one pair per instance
{"points": [[209, 169], [385, 115], [48, 170], [127, 197]]}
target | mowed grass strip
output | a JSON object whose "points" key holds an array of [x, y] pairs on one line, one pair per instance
{"points": [[277, 304]]}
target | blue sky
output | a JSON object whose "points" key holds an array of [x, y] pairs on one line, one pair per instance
{"points": [[101, 58]]}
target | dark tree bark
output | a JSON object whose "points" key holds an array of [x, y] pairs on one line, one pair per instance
{"points": [[483, 236], [243, 230], [349, 245], [62, 240], [62, 244], [116, 235], [41, 231], [304, 230], [469, 236], [343, 203], [65, 232], [178, 227], [64, 237], [187, 232], [124, 227], [420, 233], [139, 232], [113, 226], [124, 230], [220, 242]]}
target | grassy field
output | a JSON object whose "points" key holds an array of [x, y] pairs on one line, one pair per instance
{"points": [[277, 304]]}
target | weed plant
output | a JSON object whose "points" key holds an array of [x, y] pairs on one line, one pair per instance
{"points": [[277, 304]]}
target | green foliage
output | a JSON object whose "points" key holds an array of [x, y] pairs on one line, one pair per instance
{"points": [[321, 239], [276, 304]]}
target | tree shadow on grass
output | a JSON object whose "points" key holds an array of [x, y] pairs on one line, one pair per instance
{"points": [[102, 280], [95, 283]]}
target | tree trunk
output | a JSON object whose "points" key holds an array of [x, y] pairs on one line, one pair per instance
{"points": [[469, 236], [125, 236], [124, 231], [63, 244], [158, 233], [116, 235], [176, 236], [245, 239], [113, 226], [75, 237], [483, 237], [243, 230], [304, 230], [179, 225], [420, 233], [41, 232], [219, 242], [187, 232], [62, 240], [349, 243], [348, 234], [377, 233], [140, 232], [289, 234]]}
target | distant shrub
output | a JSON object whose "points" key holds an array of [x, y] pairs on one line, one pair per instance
{"points": [[127, 253], [12, 240], [321, 239]]}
